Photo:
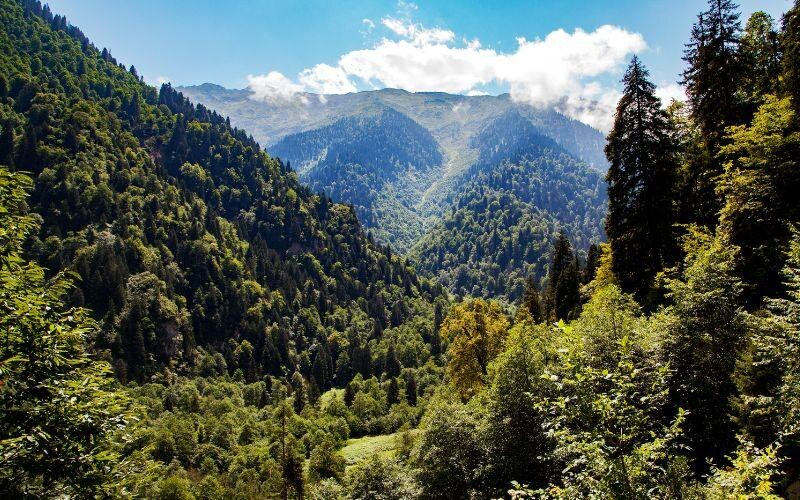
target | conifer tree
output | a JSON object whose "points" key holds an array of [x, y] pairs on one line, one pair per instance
{"points": [[531, 300], [714, 71], [6, 144], [790, 47], [759, 57], [563, 293], [641, 180], [392, 392], [349, 394], [592, 262], [712, 81], [392, 366], [411, 389]]}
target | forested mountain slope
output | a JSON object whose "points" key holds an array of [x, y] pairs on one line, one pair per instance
{"points": [[410, 204], [523, 189], [381, 163], [183, 232]]}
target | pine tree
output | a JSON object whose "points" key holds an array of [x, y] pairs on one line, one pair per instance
{"points": [[3, 89], [760, 60], [592, 263], [411, 389], [6, 144], [712, 81], [641, 180], [531, 300], [349, 394], [563, 293], [299, 398], [714, 71], [392, 366], [790, 47], [392, 392], [436, 338]]}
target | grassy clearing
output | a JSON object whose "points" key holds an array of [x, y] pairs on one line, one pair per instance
{"points": [[384, 445]]}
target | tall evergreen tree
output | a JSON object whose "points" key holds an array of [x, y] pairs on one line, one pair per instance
{"points": [[712, 80], [592, 263], [392, 392], [531, 300], [790, 47], [714, 71], [411, 389], [563, 293], [641, 180], [759, 55], [392, 365]]}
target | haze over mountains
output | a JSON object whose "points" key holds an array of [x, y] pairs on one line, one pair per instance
{"points": [[403, 159]]}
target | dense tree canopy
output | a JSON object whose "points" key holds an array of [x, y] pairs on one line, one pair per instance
{"points": [[271, 349], [184, 233]]}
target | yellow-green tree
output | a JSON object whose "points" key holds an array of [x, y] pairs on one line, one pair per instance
{"points": [[476, 331]]}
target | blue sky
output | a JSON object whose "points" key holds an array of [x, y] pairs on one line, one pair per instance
{"points": [[467, 47]]}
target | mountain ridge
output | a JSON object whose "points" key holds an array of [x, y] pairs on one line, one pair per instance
{"points": [[339, 144]]}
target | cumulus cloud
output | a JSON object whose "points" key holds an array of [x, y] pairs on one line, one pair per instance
{"points": [[326, 79], [669, 91], [562, 69], [273, 86]]}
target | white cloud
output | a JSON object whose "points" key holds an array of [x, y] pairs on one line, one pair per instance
{"points": [[326, 79], [561, 69], [416, 34], [593, 105], [157, 81], [368, 25], [273, 86], [406, 8], [669, 91]]}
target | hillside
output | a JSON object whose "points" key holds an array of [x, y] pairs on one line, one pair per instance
{"points": [[380, 163], [187, 238], [183, 318], [409, 205], [521, 192]]}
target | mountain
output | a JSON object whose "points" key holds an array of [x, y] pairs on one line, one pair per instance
{"points": [[381, 163], [523, 189], [192, 246], [327, 139]]}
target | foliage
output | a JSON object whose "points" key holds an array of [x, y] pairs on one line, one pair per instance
{"points": [[476, 332], [183, 231], [379, 479], [449, 454], [705, 331], [504, 221], [759, 187], [59, 404]]}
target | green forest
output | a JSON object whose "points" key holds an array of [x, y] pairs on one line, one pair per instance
{"points": [[182, 318], [379, 163], [502, 225]]}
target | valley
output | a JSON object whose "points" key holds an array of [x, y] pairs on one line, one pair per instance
{"points": [[431, 153], [269, 292]]}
